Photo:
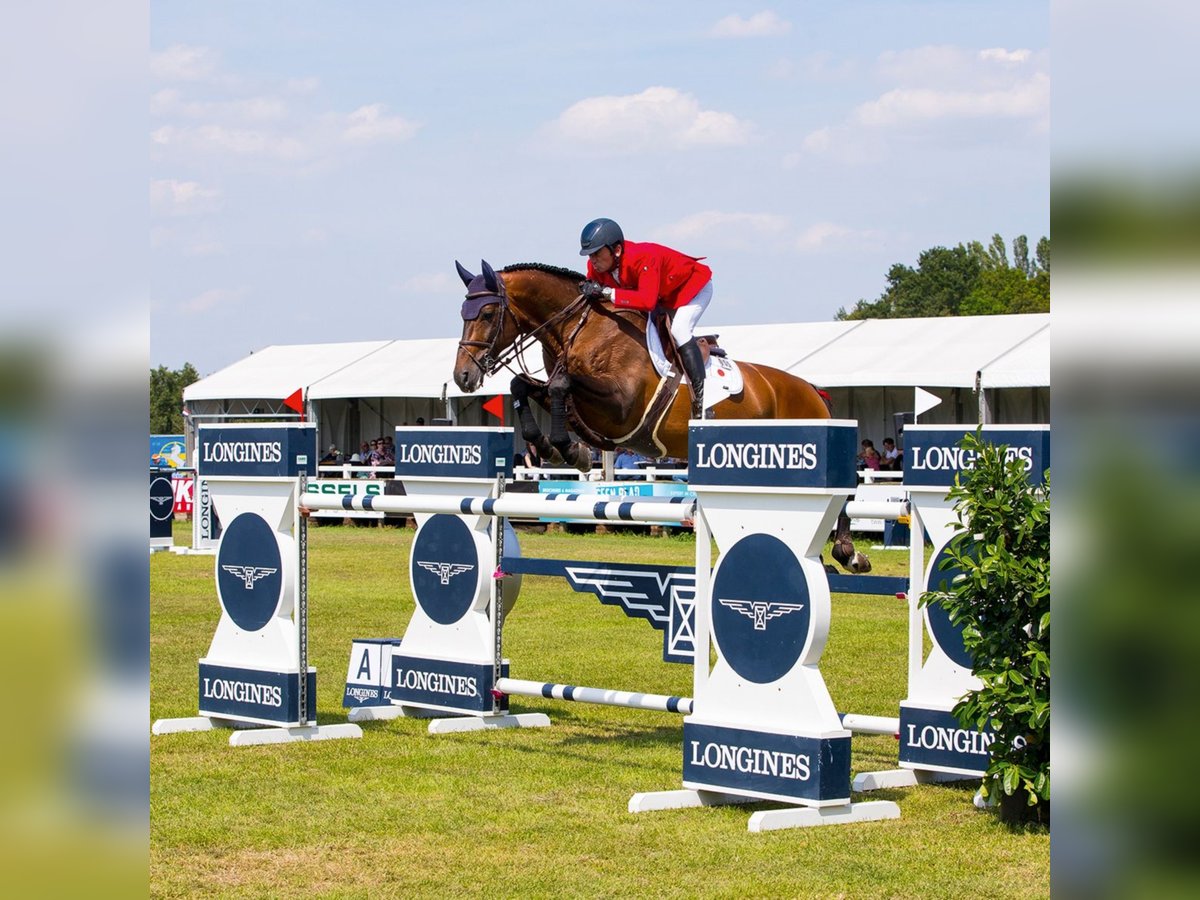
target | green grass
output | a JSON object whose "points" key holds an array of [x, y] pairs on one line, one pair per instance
{"points": [[537, 812]]}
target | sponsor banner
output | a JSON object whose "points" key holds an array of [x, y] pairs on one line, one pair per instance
{"points": [[342, 487], [454, 452], [932, 456], [229, 692], [773, 455], [442, 683], [286, 451], [933, 738], [162, 507], [756, 763], [167, 451], [183, 484], [207, 524], [367, 678]]}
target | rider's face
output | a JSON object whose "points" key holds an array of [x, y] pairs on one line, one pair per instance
{"points": [[603, 261]]}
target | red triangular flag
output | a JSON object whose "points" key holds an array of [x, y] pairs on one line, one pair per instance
{"points": [[296, 401], [496, 407]]}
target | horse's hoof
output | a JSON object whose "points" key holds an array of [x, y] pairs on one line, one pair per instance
{"points": [[581, 458], [860, 565]]}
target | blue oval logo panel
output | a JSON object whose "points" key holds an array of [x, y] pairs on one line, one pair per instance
{"points": [[249, 572], [445, 569], [945, 633], [162, 499], [760, 608]]}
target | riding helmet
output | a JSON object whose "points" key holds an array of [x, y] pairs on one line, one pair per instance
{"points": [[599, 233]]}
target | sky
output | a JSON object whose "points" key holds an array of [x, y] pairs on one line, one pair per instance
{"points": [[317, 168]]}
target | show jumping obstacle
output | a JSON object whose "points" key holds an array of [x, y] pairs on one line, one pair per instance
{"points": [[256, 672], [933, 746], [761, 724]]}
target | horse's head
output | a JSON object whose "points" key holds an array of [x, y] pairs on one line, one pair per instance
{"points": [[488, 327]]}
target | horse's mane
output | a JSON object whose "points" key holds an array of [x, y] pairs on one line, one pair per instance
{"points": [[549, 270]]}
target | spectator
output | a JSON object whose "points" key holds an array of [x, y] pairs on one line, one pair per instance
{"points": [[626, 460], [869, 457], [356, 460], [532, 459], [892, 459], [332, 457], [420, 420]]}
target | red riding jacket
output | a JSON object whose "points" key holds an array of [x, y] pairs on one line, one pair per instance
{"points": [[652, 272]]}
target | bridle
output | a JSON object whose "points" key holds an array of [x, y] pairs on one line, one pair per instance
{"points": [[490, 361]]}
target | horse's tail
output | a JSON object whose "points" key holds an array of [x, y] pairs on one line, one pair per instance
{"points": [[824, 395]]}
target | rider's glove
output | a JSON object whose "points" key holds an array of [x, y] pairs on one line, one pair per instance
{"points": [[591, 290]]}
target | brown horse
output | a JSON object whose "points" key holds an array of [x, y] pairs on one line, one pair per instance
{"points": [[602, 383]]}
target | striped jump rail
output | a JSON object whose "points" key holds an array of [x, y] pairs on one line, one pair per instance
{"points": [[563, 506], [632, 699]]}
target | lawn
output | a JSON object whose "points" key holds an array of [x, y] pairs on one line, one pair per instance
{"points": [[537, 812]]}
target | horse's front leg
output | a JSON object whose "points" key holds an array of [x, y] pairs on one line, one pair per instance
{"points": [[573, 452], [523, 391]]}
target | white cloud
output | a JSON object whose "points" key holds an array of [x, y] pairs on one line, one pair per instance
{"points": [[265, 108], [659, 118], [180, 62], [725, 227], [182, 198], [211, 299], [274, 121], [999, 54], [820, 235], [243, 142], [761, 24], [369, 124], [939, 85], [1029, 98]]}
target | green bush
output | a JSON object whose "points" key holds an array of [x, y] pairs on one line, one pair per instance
{"points": [[1002, 603]]}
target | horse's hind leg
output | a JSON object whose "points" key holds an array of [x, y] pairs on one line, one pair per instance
{"points": [[843, 551], [522, 391]]}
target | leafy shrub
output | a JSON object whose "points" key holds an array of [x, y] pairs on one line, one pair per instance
{"points": [[1002, 604]]}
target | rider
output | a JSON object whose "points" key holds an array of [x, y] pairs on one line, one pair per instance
{"points": [[642, 276]]}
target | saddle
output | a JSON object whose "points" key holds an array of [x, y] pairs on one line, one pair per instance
{"points": [[661, 320]]}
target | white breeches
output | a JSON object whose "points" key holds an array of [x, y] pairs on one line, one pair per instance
{"points": [[686, 317]]}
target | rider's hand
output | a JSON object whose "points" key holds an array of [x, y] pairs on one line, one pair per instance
{"points": [[591, 290]]}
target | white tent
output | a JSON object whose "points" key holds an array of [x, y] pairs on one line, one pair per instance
{"points": [[870, 367]]}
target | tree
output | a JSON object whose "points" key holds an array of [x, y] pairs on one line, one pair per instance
{"points": [[938, 285], [969, 279], [166, 397]]}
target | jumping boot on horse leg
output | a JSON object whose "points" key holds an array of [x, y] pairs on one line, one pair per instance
{"points": [[529, 426], [693, 365], [573, 453]]}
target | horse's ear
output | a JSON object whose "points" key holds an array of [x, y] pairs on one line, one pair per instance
{"points": [[489, 277], [466, 276]]}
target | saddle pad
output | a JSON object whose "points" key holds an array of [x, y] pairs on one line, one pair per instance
{"points": [[722, 376]]}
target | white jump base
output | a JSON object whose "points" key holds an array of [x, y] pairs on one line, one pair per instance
{"points": [[246, 734], [767, 819]]}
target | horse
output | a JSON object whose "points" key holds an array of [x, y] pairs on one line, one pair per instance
{"points": [[602, 383]]}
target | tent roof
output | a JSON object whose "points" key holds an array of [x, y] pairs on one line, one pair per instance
{"points": [[418, 368], [1025, 365], [1006, 351], [276, 372], [924, 352]]}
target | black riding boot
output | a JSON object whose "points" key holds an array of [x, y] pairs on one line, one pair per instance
{"points": [[693, 365]]}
